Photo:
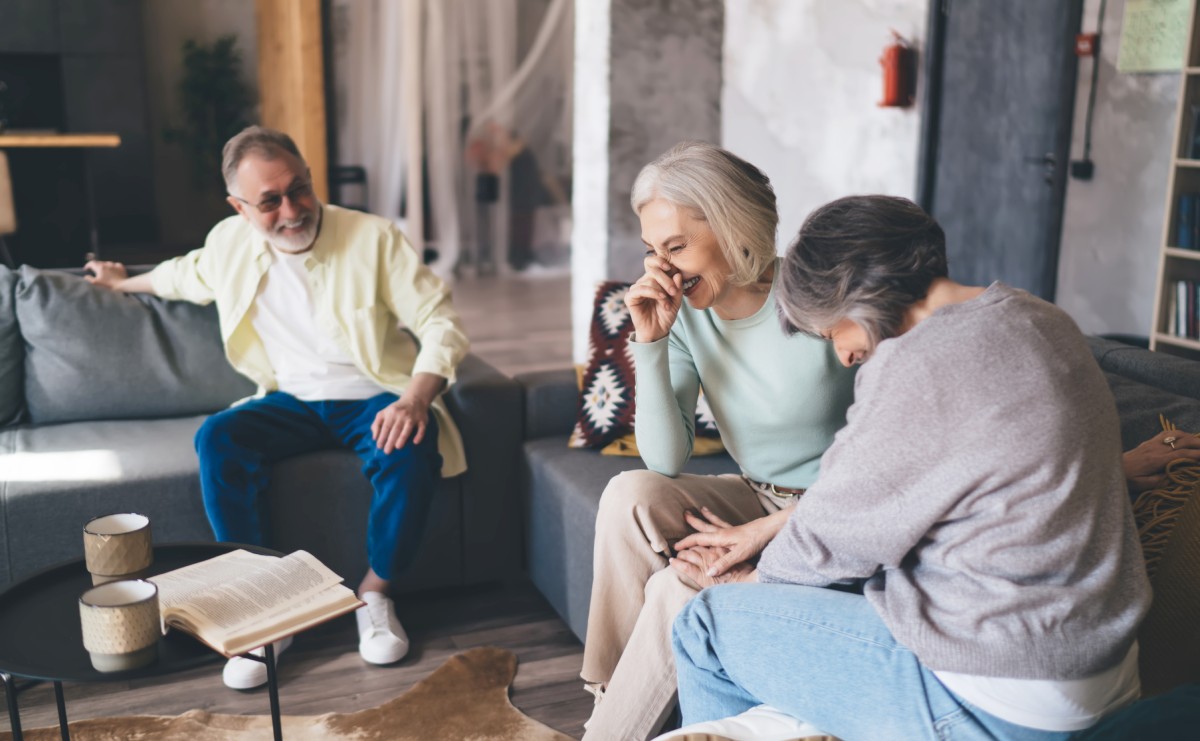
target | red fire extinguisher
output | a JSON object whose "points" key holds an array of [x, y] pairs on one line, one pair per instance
{"points": [[899, 62]]}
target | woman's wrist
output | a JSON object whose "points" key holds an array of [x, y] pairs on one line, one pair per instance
{"points": [[775, 521], [643, 338]]}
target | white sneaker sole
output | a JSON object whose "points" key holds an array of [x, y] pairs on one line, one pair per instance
{"points": [[382, 658], [247, 674]]}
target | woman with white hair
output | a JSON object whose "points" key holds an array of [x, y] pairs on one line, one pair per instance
{"points": [[703, 316]]}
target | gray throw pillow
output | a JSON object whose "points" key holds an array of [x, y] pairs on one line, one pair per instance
{"points": [[92, 353], [12, 354]]}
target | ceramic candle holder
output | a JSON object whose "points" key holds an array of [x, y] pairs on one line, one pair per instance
{"points": [[117, 547], [121, 624]]}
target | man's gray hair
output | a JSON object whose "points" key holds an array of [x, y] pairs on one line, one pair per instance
{"points": [[732, 195], [259, 140], [863, 258]]}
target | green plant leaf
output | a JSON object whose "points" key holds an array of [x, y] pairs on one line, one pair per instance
{"points": [[214, 103]]}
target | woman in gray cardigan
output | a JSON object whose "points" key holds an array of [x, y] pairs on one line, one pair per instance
{"points": [[976, 495]]}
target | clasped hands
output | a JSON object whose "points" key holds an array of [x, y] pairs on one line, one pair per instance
{"points": [[720, 553]]}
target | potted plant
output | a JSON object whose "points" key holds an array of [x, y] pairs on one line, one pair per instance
{"points": [[215, 102]]}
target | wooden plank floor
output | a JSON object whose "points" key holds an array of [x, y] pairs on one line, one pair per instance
{"points": [[323, 672], [518, 322]]}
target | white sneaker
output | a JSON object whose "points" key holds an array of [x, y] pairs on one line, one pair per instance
{"points": [[246, 674], [381, 639], [597, 690], [759, 723]]}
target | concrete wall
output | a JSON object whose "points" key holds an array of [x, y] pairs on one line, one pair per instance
{"points": [[791, 85], [802, 83], [666, 87], [647, 75], [1112, 225], [184, 215]]}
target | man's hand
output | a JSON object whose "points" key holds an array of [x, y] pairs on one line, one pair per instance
{"points": [[738, 544], [404, 419], [407, 417], [1145, 466], [114, 276], [105, 273], [697, 564]]}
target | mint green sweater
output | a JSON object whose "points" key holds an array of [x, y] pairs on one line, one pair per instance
{"points": [[777, 400]]}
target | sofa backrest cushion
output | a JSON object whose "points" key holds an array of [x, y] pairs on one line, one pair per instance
{"points": [[92, 353], [12, 355], [551, 402]]}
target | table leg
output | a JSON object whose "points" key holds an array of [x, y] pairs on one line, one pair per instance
{"points": [[90, 206], [14, 713], [273, 691], [63, 728]]}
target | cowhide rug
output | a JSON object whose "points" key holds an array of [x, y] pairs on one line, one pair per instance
{"points": [[465, 699]]}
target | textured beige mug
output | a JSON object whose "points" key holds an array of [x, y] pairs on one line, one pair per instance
{"points": [[121, 625], [117, 546]]}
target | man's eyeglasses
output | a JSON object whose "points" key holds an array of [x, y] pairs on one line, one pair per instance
{"points": [[272, 203]]}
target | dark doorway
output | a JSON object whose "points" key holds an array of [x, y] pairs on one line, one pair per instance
{"points": [[997, 133]]}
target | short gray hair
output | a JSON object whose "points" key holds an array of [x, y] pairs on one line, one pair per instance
{"points": [[266, 143], [863, 258], [732, 195]]}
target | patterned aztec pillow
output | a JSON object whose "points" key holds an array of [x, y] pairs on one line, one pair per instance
{"points": [[606, 387]]}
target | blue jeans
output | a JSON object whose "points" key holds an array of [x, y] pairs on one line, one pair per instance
{"points": [[238, 446], [821, 656]]}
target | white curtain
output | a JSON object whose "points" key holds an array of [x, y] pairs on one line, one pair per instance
{"points": [[369, 97], [483, 109], [442, 140]]}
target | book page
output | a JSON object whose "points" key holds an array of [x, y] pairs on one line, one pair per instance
{"points": [[318, 608], [241, 592]]}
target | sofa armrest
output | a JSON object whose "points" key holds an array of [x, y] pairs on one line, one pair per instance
{"points": [[1168, 372], [551, 403], [486, 406]]}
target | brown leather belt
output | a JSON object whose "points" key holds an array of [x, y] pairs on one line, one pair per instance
{"points": [[779, 491]]}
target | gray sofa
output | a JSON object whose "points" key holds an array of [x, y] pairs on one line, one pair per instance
{"points": [[102, 393], [561, 490], [561, 486]]}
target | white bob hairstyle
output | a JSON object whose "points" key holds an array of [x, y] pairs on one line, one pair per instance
{"points": [[732, 195]]}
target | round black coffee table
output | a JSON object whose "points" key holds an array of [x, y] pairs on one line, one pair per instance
{"points": [[41, 638]]}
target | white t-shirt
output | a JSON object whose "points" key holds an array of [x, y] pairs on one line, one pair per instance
{"points": [[1051, 705], [309, 364]]}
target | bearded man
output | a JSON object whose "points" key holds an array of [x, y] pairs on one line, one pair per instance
{"points": [[351, 340]]}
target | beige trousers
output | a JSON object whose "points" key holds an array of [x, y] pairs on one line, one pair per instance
{"points": [[635, 597]]}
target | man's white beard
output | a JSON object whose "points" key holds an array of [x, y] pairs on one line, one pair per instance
{"points": [[296, 243]]}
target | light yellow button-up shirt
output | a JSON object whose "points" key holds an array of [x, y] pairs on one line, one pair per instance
{"points": [[371, 293]]}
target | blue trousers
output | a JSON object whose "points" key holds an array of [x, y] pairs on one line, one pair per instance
{"points": [[822, 656], [238, 446]]}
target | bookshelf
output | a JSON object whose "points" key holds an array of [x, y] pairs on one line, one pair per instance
{"points": [[1176, 328]]}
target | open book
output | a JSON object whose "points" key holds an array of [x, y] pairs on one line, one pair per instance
{"points": [[239, 601]]}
